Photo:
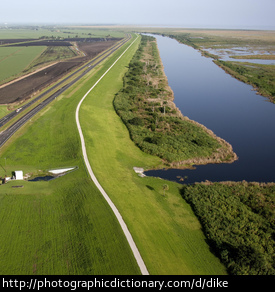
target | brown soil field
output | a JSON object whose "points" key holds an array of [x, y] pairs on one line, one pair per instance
{"points": [[24, 88], [11, 41], [52, 43], [91, 49], [48, 43]]}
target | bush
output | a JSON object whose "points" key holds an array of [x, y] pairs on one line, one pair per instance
{"points": [[136, 121], [242, 236]]}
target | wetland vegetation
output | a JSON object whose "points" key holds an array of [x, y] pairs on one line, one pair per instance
{"points": [[238, 220], [261, 77], [157, 127]]}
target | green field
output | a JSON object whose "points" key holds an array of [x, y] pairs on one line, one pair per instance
{"points": [[64, 226], [3, 111], [13, 60], [58, 32], [52, 54]]}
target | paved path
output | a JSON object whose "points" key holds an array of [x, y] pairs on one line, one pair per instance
{"points": [[124, 227]]}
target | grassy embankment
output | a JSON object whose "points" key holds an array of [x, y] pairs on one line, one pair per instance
{"points": [[261, 77], [64, 226]]}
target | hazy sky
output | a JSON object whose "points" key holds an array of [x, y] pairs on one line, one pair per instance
{"points": [[184, 13]]}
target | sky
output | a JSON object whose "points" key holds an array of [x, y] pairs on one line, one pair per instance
{"points": [[245, 14]]}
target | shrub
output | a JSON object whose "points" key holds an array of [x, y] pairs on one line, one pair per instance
{"points": [[136, 121]]}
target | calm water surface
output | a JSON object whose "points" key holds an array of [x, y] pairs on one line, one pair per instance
{"points": [[205, 93]]}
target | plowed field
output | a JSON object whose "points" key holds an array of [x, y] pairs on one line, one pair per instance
{"points": [[24, 88]]}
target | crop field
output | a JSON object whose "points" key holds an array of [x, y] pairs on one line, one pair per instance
{"points": [[64, 226], [24, 88], [13, 60], [33, 32]]}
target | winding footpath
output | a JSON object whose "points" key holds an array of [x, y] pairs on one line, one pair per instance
{"points": [[123, 225]]}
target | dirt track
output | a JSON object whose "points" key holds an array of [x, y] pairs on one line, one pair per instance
{"points": [[25, 87]]}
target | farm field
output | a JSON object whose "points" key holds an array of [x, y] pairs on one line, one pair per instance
{"points": [[34, 32], [68, 229], [13, 60], [24, 88]]}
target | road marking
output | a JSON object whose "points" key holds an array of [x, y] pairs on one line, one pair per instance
{"points": [[123, 225]]}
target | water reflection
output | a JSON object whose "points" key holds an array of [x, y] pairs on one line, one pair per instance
{"points": [[205, 93]]}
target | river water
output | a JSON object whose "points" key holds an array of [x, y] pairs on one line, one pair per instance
{"points": [[230, 108]]}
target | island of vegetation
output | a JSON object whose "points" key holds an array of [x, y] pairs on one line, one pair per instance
{"points": [[156, 125]]}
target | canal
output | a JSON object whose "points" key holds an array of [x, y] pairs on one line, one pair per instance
{"points": [[230, 108]]}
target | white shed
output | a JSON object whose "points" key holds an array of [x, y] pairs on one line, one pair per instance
{"points": [[19, 175]]}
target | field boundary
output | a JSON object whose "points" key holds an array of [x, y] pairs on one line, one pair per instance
{"points": [[123, 225]]}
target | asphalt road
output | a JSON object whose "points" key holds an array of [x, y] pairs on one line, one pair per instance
{"points": [[5, 135]]}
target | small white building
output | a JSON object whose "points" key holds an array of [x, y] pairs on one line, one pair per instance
{"points": [[18, 175], [139, 171]]}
